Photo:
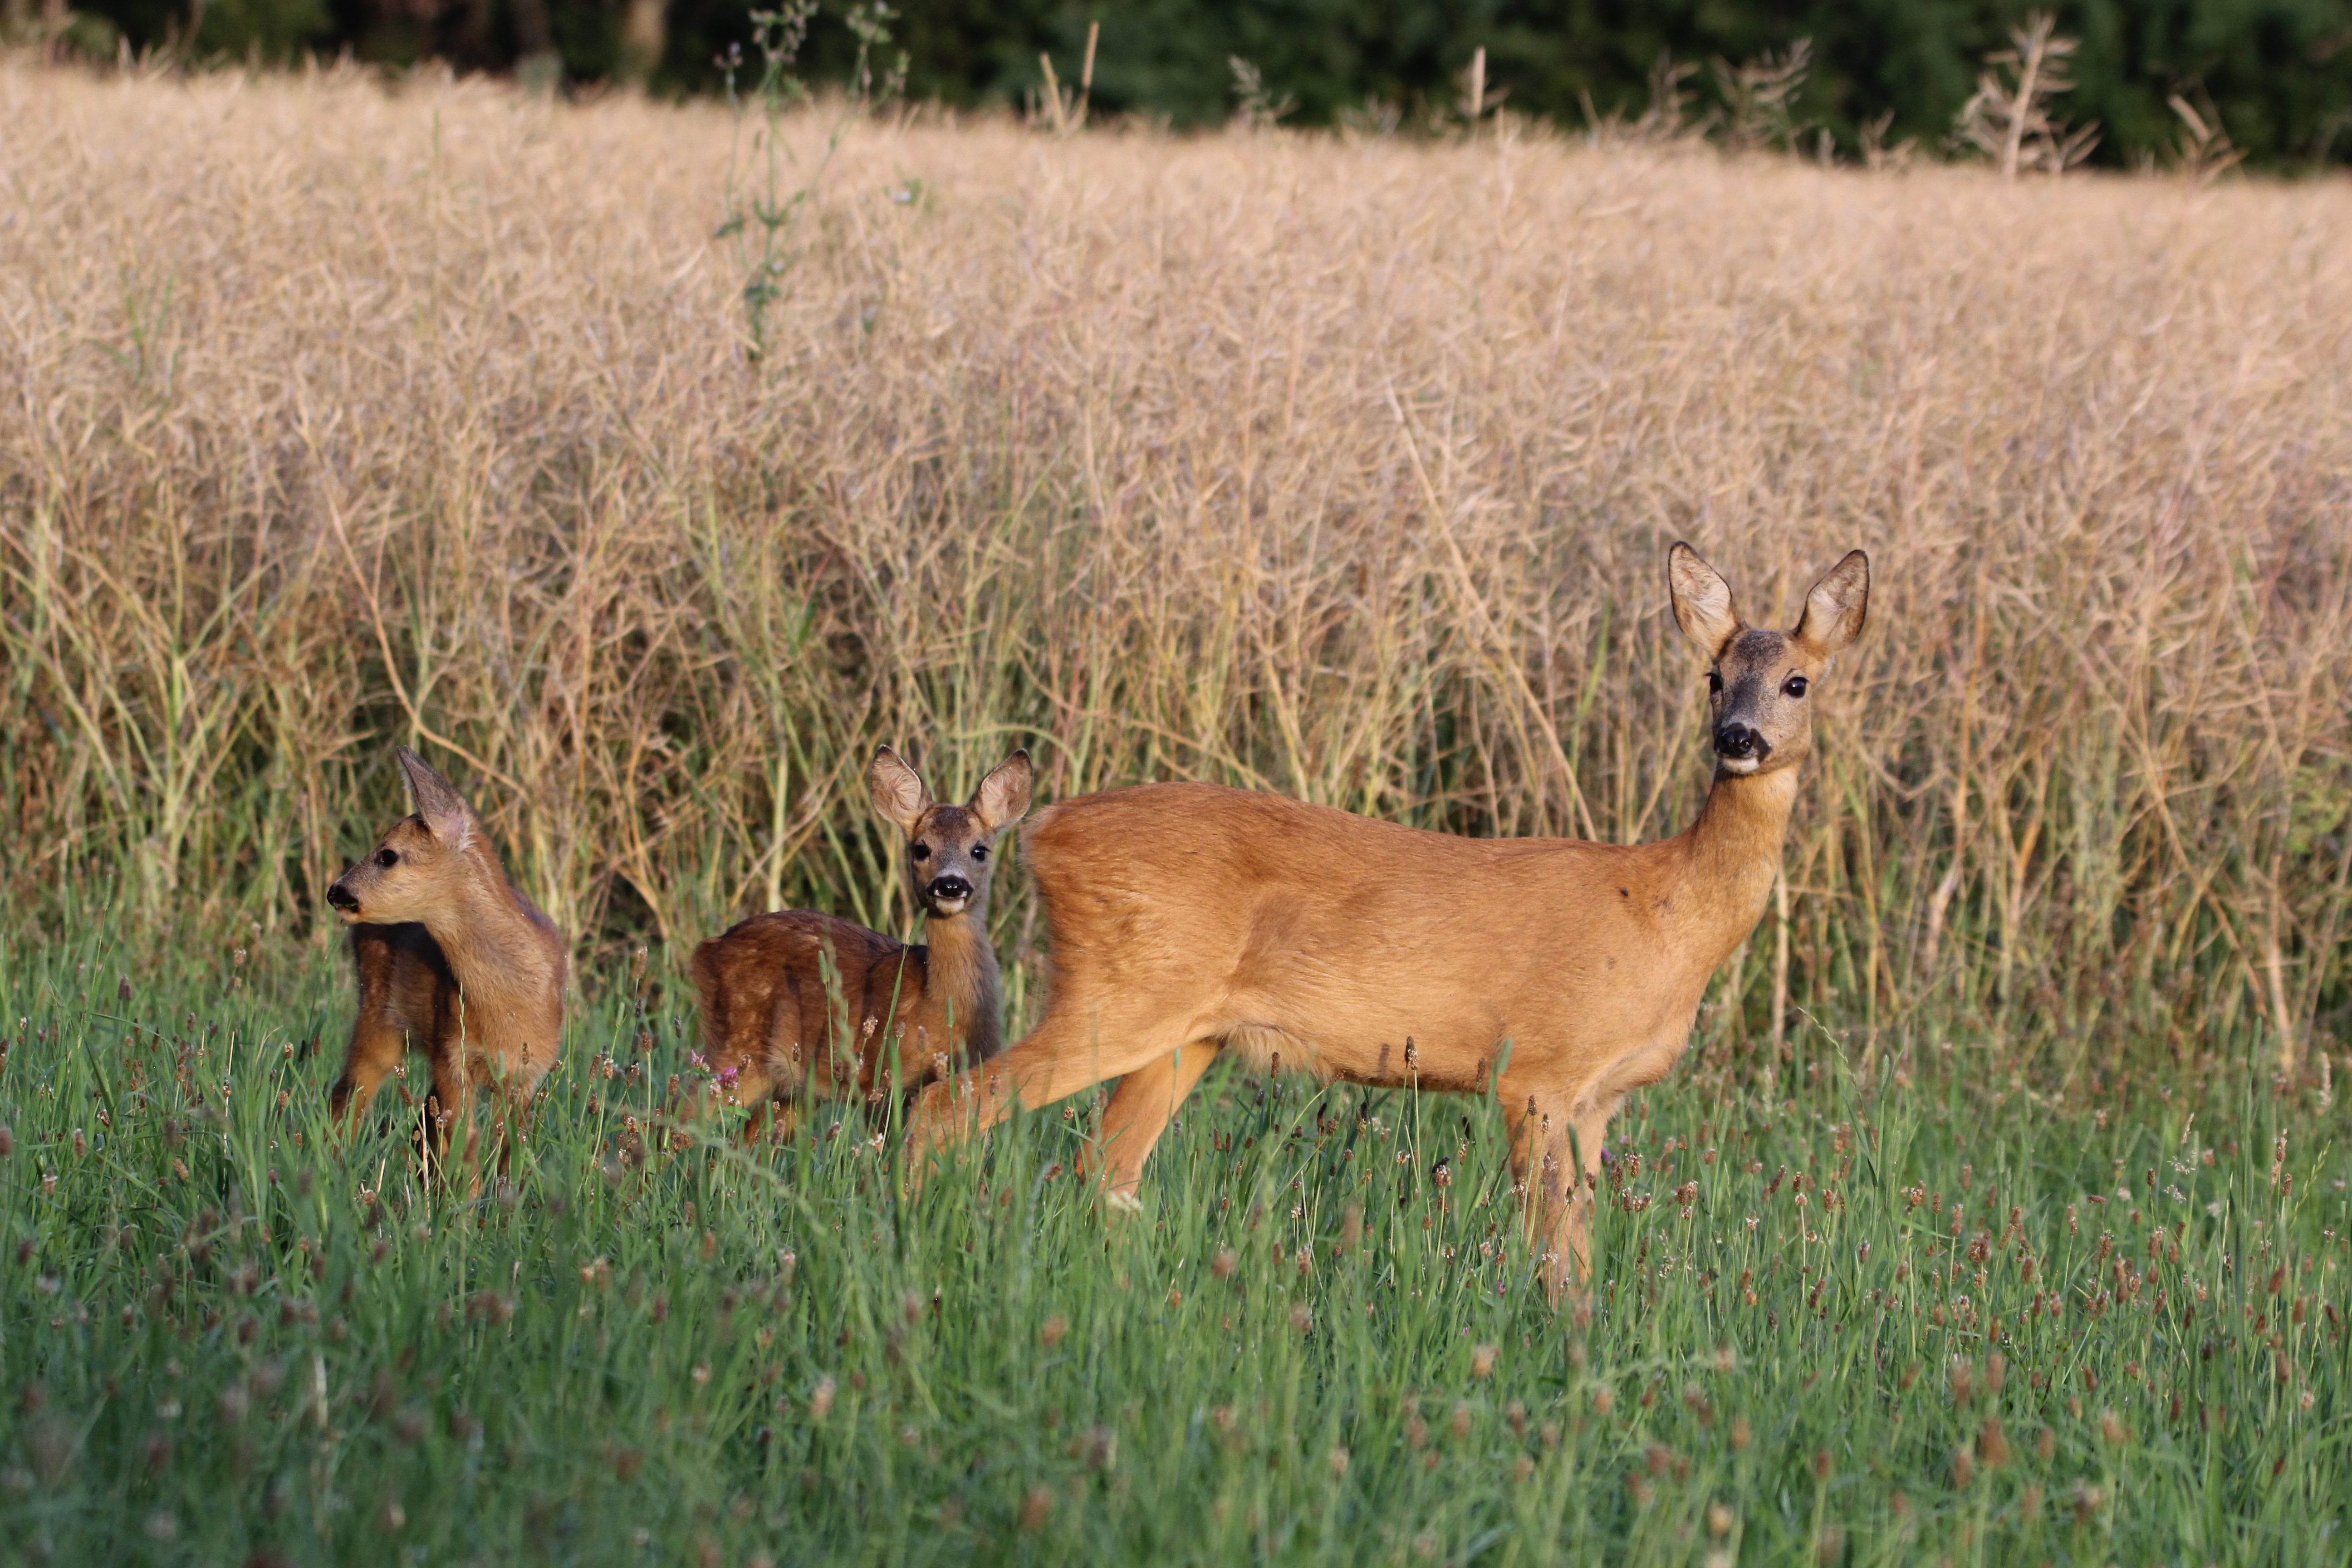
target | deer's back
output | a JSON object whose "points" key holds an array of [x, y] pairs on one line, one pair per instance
{"points": [[1251, 911]]}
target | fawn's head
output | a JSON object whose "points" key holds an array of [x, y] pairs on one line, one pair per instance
{"points": [[409, 874], [1758, 680], [951, 849]]}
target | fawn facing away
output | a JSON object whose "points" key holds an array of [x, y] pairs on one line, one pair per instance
{"points": [[451, 959], [1189, 919], [798, 1004]]}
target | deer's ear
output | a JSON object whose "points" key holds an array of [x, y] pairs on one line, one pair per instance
{"points": [[897, 790], [1837, 608], [1003, 798], [1702, 605], [445, 811]]}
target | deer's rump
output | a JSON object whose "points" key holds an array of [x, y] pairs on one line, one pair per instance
{"points": [[1275, 926], [767, 999]]}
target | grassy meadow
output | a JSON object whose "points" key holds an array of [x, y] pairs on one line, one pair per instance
{"points": [[1998, 1213]]}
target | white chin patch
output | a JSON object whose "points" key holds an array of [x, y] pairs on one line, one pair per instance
{"points": [[948, 907], [1742, 765]]}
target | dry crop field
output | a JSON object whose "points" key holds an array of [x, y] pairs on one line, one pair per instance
{"points": [[1998, 1213]]}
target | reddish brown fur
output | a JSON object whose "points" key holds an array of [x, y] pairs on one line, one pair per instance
{"points": [[798, 1004], [769, 1009], [451, 960], [1189, 920]]}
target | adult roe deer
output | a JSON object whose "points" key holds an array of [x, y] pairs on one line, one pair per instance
{"points": [[452, 959], [1189, 919], [796, 1003]]}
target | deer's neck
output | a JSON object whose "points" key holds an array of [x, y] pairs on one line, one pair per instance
{"points": [[509, 965], [960, 976], [1730, 857]]}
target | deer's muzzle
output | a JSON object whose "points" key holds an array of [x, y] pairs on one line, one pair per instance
{"points": [[1737, 742]]}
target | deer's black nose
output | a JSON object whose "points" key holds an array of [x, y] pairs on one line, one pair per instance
{"points": [[340, 897], [1737, 740], [947, 888]]}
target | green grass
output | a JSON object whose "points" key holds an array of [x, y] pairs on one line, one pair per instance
{"points": [[225, 1343]]}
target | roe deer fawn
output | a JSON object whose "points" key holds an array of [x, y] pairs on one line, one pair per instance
{"points": [[451, 959], [1188, 919], [798, 1004]]}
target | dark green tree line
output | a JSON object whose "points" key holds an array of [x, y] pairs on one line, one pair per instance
{"points": [[2278, 72]]}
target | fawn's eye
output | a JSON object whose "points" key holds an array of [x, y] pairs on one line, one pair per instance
{"points": [[1715, 680], [980, 851], [1794, 686], [387, 857], [922, 850]]}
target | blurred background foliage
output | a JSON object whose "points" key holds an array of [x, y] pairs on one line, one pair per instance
{"points": [[2278, 71]]}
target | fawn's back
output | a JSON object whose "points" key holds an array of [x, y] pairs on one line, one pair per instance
{"points": [[816, 999]]}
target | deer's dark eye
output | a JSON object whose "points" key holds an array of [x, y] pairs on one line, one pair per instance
{"points": [[387, 857], [922, 850], [1715, 680], [980, 851], [1794, 686]]}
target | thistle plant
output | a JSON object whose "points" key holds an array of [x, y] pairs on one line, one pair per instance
{"points": [[2010, 116], [1759, 97], [768, 193]]}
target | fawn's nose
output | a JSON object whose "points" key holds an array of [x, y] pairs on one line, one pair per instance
{"points": [[946, 889], [340, 897], [1738, 740]]}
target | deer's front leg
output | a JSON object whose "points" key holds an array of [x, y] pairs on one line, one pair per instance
{"points": [[1555, 1167]]}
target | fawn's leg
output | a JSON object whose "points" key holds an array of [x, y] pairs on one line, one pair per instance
{"points": [[450, 1108], [776, 1118], [375, 1049], [379, 1031], [515, 1094]]}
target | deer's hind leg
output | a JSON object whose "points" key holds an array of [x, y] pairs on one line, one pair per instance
{"points": [[513, 1083], [459, 1070], [1145, 1102], [448, 1111], [1088, 1034]]}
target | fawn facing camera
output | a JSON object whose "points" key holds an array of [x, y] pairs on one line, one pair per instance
{"points": [[798, 1004], [451, 959]]}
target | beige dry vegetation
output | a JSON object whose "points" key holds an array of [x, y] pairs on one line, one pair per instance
{"points": [[334, 414]]}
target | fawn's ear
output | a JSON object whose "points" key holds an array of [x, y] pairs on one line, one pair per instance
{"points": [[1703, 606], [1837, 608], [445, 811], [1002, 796], [897, 790]]}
